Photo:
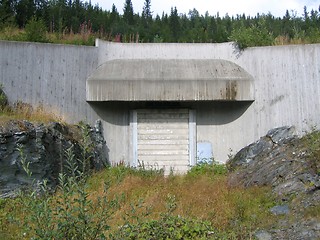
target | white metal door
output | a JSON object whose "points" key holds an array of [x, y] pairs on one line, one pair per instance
{"points": [[164, 139]]}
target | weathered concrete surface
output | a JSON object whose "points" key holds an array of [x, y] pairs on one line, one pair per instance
{"points": [[44, 148], [284, 162], [170, 80], [109, 51], [51, 75], [286, 88], [286, 82]]}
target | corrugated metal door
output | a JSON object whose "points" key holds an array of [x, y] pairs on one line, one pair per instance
{"points": [[163, 139]]}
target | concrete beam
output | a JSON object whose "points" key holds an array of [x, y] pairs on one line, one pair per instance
{"points": [[170, 80]]}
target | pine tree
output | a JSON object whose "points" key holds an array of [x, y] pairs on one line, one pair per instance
{"points": [[25, 9], [114, 15], [146, 20], [128, 13], [6, 12], [174, 25], [146, 12]]}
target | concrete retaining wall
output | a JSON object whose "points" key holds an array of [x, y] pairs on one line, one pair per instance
{"points": [[50, 75], [287, 89], [286, 80]]}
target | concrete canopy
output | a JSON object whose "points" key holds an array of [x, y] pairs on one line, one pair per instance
{"points": [[170, 80]]}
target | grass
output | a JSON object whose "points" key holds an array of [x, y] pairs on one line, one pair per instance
{"points": [[137, 197], [23, 111], [312, 142], [313, 212], [87, 37], [138, 202]]}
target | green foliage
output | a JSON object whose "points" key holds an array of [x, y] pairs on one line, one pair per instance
{"points": [[313, 211], [157, 39], [128, 12], [132, 204], [7, 206], [118, 173], [71, 215], [313, 35], [205, 168], [79, 22], [36, 31], [167, 227], [11, 33], [312, 142], [23, 161], [3, 99], [255, 35]]}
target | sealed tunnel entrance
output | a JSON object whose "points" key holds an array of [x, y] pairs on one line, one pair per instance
{"points": [[208, 86], [164, 139]]}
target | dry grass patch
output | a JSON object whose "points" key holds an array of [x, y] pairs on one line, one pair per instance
{"points": [[202, 197], [24, 111], [136, 197], [285, 40]]}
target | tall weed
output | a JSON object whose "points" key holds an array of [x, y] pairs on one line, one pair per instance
{"points": [[125, 203], [211, 168], [24, 111], [69, 214], [312, 142]]}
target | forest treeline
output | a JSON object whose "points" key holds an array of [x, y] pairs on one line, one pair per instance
{"points": [[60, 20]]}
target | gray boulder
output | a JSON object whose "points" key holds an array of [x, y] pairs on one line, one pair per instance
{"points": [[283, 162]]}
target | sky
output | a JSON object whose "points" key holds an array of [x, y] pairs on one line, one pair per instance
{"points": [[232, 7]]}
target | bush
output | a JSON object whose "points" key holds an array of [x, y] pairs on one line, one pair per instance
{"points": [[256, 35], [205, 168], [313, 35], [70, 214], [167, 227], [36, 31]]}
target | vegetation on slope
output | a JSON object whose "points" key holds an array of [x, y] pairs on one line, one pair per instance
{"points": [[312, 143], [23, 111], [79, 22], [125, 203]]}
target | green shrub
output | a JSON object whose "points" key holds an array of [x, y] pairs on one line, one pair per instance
{"points": [[313, 35], [256, 35], [69, 214], [167, 227], [205, 168], [190, 203], [312, 143], [35, 31]]}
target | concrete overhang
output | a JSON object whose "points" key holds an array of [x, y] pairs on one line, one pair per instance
{"points": [[170, 80]]}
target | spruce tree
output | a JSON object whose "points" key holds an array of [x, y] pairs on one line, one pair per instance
{"points": [[128, 13], [146, 12], [6, 12], [174, 25]]}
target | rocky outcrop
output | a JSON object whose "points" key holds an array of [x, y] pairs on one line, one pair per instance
{"points": [[43, 147], [284, 162]]}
